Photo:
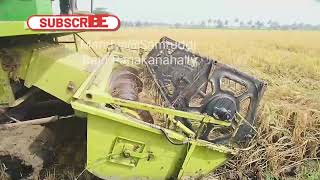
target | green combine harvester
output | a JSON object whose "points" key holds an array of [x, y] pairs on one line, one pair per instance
{"points": [[204, 108]]}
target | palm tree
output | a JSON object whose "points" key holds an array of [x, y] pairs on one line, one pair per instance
{"points": [[203, 24], [219, 23], [226, 22]]}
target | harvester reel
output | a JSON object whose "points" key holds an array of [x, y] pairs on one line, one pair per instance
{"points": [[197, 84], [125, 84]]}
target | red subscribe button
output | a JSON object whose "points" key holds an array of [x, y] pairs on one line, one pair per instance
{"points": [[99, 22]]}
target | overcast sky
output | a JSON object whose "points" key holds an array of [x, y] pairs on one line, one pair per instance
{"points": [[171, 11]]}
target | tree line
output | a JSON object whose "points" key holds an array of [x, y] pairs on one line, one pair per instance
{"points": [[227, 24]]}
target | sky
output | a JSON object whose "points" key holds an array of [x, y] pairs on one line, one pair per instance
{"points": [[180, 11]]}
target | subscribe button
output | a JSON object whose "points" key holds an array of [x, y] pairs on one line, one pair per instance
{"points": [[99, 22]]}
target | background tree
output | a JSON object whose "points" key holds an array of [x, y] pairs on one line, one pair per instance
{"points": [[226, 22], [220, 24], [210, 21], [203, 24]]}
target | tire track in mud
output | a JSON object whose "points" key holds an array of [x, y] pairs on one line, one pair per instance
{"points": [[57, 150], [22, 149]]}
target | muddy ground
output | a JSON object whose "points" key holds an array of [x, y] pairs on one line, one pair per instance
{"points": [[57, 151]]}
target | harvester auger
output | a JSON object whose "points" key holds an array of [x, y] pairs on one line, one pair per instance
{"points": [[205, 106]]}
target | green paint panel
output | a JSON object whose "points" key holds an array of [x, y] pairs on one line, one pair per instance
{"points": [[58, 71], [20, 10], [18, 28], [14, 14], [6, 95], [111, 134], [102, 136], [203, 161]]}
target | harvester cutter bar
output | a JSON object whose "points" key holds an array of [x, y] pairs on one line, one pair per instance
{"points": [[107, 99]]}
